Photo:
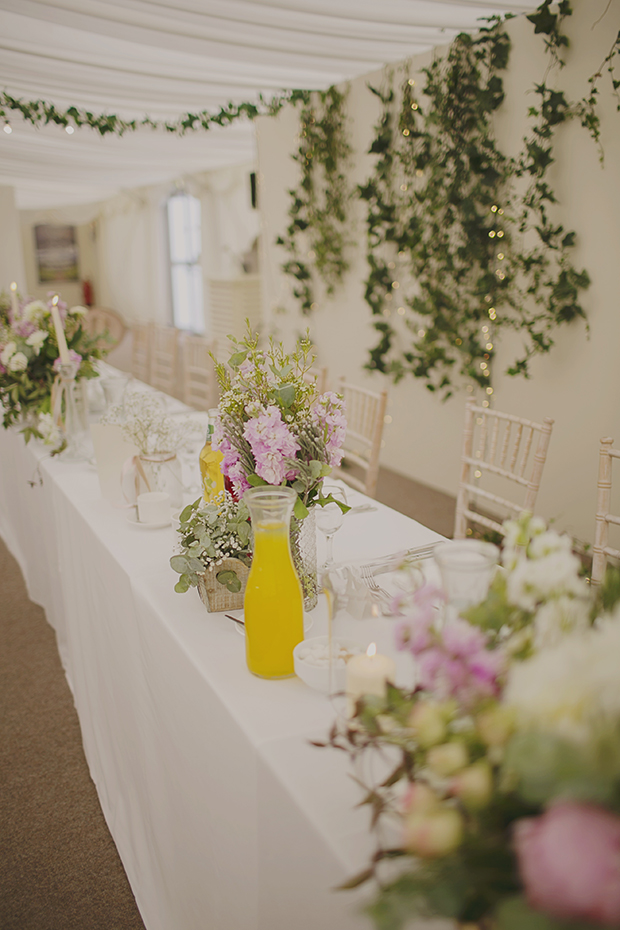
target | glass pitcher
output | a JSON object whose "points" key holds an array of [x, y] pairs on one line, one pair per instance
{"points": [[273, 605]]}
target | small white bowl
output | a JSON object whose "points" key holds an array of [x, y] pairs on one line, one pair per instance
{"points": [[317, 675]]}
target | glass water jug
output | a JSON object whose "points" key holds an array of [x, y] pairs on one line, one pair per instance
{"points": [[273, 606]]}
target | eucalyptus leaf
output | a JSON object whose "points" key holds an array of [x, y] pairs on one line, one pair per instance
{"points": [[182, 585]]}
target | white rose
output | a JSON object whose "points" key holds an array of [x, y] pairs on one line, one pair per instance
{"points": [[48, 429], [36, 340], [558, 617], [534, 580], [78, 311], [35, 310], [7, 352], [18, 362]]}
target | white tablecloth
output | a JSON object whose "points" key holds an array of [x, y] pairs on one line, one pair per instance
{"points": [[223, 814]]}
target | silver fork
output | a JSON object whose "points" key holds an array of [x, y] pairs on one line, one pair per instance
{"points": [[379, 594]]}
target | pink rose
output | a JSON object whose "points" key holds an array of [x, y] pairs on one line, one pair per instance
{"points": [[569, 861]]}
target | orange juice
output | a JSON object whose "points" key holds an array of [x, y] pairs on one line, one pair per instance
{"points": [[274, 615], [210, 470]]}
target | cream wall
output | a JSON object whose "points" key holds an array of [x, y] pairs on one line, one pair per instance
{"points": [[11, 255], [578, 383]]}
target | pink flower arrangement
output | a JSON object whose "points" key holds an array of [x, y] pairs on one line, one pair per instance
{"points": [[569, 861], [454, 661], [273, 426]]}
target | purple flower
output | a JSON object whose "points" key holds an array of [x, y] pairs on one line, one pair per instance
{"points": [[272, 443], [328, 414], [74, 357], [569, 861], [462, 639]]}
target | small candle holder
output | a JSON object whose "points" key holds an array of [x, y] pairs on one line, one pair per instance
{"points": [[76, 449]]}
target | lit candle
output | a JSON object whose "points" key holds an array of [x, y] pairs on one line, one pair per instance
{"points": [[368, 674], [60, 333], [14, 301]]}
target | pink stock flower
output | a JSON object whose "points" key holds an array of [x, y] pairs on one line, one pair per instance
{"points": [[272, 443], [569, 861], [328, 414], [452, 662]]}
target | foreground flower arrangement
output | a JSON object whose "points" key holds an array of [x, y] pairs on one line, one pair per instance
{"points": [[503, 808], [29, 361], [273, 427]]}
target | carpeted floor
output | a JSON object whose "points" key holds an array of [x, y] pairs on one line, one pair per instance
{"points": [[59, 868]]}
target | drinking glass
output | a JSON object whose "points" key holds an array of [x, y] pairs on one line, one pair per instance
{"points": [[329, 519], [467, 567]]}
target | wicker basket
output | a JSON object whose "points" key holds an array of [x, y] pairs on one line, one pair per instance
{"points": [[216, 596]]}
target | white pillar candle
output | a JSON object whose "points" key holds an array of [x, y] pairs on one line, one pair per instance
{"points": [[14, 301], [63, 351], [368, 674]]}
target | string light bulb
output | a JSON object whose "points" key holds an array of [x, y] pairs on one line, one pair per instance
{"points": [[8, 128]]}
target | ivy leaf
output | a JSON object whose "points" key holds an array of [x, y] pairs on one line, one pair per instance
{"points": [[543, 19], [300, 510]]}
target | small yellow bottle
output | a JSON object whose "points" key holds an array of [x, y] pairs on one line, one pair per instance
{"points": [[210, 468]]}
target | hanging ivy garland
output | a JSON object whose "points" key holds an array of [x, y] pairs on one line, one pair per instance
{"points": [[38, 112], [455, 248], [316, 237]]}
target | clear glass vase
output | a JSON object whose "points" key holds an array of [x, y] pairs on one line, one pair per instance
{"points": [[163, 473], [303, 548]]}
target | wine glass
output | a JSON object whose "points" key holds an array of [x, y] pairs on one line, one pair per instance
{"points": [[329, 519]]}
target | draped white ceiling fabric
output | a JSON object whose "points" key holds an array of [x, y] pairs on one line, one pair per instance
{"points": [[163, 58]]}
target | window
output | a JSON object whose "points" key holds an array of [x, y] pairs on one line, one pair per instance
{"points": [[185, 270]]}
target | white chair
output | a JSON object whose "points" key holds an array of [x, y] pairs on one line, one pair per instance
{"points": [[365, 413], [141, 351], [602, 550], [318, 377], [499, 446], [164, 355], [199, 381], [101, 321]]}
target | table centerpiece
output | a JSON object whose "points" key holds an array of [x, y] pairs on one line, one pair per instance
{"points": [[158, 437], [274, 428], [502, 808], [30, 361], [214, 551]]}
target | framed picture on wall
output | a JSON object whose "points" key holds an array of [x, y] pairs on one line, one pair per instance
{"points": [[57, 253]]}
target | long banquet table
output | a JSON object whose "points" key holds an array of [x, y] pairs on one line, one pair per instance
{"points": [[224, 815]]}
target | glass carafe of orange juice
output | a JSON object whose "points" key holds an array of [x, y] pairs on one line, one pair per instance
{"points": [[273, 605], [210, 465]]}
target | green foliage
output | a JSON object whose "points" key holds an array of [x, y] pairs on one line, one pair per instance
{"points": [[208, 534], [316, 237], [38, 112], [455, 247]]}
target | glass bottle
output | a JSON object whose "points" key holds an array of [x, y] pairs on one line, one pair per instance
{"points": [[273, 605], [210, 466]]}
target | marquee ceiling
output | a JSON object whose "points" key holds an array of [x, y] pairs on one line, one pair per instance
{"points": [[167, 57]]}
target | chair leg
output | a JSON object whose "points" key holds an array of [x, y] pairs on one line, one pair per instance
{"points": [[462, 500], [601, 538]]}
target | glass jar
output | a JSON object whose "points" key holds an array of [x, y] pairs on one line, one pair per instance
{"points": [[273, 605], [163, 473]]}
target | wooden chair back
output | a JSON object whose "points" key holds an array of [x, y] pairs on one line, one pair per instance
{"points": [[604, 517], [101, 321], [164, 357], [141, 352], [365, 413], [506, 447], [199, 381]]}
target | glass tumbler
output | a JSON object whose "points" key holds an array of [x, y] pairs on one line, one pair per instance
{"points": [[467, 567]]}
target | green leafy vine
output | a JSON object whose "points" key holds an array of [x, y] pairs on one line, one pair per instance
{"points": [[461, 243], [316, 237], [38, 112]]}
